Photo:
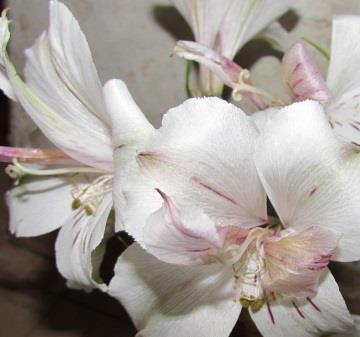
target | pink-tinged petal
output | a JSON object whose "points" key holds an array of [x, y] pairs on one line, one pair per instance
{"points": [[295, 261], [311, 179], [225, 69], [39, 206], [78, 247], [204, 153], [169, 300], [326, 312], [36, 156], [181, 234], [302, 76]]}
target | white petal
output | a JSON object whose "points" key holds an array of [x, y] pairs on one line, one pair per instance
{"points": [[343, 78], [39, 206], [71, 139], [181, 234], [129, 124], [277, 36], [72, 59], [245, 19], [310, 178], [169, 300], [78, 249], [326, 312], [344, 72], [204, 151], [204, 17]]}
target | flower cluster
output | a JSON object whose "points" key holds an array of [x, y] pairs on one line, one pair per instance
{"points": [[228, 211]]}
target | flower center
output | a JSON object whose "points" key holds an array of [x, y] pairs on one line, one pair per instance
{"points": [[248, 263], [90, 196]]}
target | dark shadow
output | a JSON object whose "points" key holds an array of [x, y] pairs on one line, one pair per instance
{"points": [[171, 20], [289, 20]]}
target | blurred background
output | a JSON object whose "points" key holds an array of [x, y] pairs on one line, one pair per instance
{"points": [[131, 40]]}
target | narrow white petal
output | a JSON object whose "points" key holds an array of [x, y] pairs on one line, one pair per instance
{"points": [[78, 246], [344, 78], [169, 300], [309, 176], [326, 312], [204, 152], [39, 206], [344, 72], [245, 19], [72, 59]]}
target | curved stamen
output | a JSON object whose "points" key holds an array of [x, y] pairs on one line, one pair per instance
{"points": [[17, 170]]}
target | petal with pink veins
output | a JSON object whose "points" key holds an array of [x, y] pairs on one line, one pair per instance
{"points": [[181, 234], [295, 260], [302, 76], [308, 317], [310, 177]]}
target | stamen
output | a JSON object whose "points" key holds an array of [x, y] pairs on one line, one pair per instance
{"points": [[244, 87], [17, 171]]}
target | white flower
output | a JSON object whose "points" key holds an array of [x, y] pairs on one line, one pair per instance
{"points": [[203, 218], [221, 28], [64, 97]]}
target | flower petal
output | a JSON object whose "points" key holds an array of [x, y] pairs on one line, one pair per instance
{"points": [[295, 260], [181, 234], [170, 300], [302, 77], [76, 142], [204, 153], [244, 19], [310, 178], [343, 78], [78, 249], [225, 69], [38, 206], [129, 125], [326, 312]]}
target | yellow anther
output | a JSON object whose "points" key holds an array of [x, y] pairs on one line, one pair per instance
{"points": [[76, 203], [88, 210], [257, 305], [245, 303]]}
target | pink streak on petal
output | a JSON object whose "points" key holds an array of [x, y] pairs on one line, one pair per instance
{"points": [[35, 156], [301, 314], [313, 304], [208, 187], [270, 313], [302, 76]]}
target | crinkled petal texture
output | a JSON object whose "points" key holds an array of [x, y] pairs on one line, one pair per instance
{"points": [[166, 300], [39, 206], [78, 246], [244, 19], [295, 260], [310, 177], [302, 76], [55, 99], [344, 78], [325, 312], [203, 153], [181, 235]]}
